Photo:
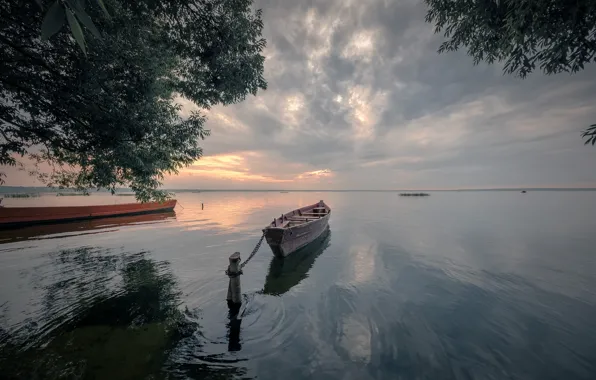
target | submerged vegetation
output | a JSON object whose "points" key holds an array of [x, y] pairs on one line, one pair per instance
{"points": [[414, 194]]}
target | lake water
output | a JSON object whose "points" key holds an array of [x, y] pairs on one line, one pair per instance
{"points": [[458, 285]]}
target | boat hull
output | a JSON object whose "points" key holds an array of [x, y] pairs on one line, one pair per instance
{"points": [[15, 217], [284, 241]]}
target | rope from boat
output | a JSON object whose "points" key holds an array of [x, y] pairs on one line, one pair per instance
{"points": [[254, 252]]}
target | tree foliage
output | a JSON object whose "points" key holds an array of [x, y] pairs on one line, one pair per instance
{"points": [[590, 135], [554, 35], [103, 113], [557, 35]]}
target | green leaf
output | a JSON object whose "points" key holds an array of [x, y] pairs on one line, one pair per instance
{"points": [[53, 21], [83, 17], [103, 6], [77, 32]]}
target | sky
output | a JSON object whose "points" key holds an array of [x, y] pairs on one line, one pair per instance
{"points": [[359, 98]]}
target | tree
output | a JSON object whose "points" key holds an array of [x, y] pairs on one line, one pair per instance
{"points": [[557, 35], [108, 117]]}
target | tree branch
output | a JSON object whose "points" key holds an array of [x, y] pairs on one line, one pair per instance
{"points": [[40, 62]]}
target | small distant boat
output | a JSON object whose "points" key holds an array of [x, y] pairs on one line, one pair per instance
{"points": [[11, 217], [523, 191], [297, 228]]}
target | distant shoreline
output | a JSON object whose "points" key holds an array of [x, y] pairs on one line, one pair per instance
{"points": [[379, 191], [24, 189]]}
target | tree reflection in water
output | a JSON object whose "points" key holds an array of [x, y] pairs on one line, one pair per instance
{"points": [[103, 316]]}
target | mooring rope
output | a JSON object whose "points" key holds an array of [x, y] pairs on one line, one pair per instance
{"points": [[252, 254], [254, 251]]}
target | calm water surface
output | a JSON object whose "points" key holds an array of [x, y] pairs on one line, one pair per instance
{"points": [[468, 285]]}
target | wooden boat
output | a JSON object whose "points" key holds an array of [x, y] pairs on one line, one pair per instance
{"points": [[11, 217], [297, 228], [81, 227]]}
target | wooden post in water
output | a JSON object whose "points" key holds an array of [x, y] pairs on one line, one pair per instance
{"points": [[234, 299], [234, 290]]}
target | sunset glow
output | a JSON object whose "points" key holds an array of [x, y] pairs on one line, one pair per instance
{"points": [[239, 167]]}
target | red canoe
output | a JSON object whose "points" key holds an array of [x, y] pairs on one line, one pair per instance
{"points": [[26, 216]]}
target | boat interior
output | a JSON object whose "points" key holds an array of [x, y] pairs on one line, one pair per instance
{"points": [[301, 216]]}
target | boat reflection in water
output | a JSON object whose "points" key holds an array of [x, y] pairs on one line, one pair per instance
{"points": [[287, 272], [47, 231]]}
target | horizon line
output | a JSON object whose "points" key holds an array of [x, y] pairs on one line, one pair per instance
{"points": [[345, 190], [391, 190]]}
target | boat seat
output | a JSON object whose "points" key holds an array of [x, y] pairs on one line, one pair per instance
{"points": [[296, 222]]}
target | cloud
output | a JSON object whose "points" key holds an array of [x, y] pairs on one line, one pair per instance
{"points": [[233, 167], [323, 173], [365, 108], [246, 167], [361, 46]]}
